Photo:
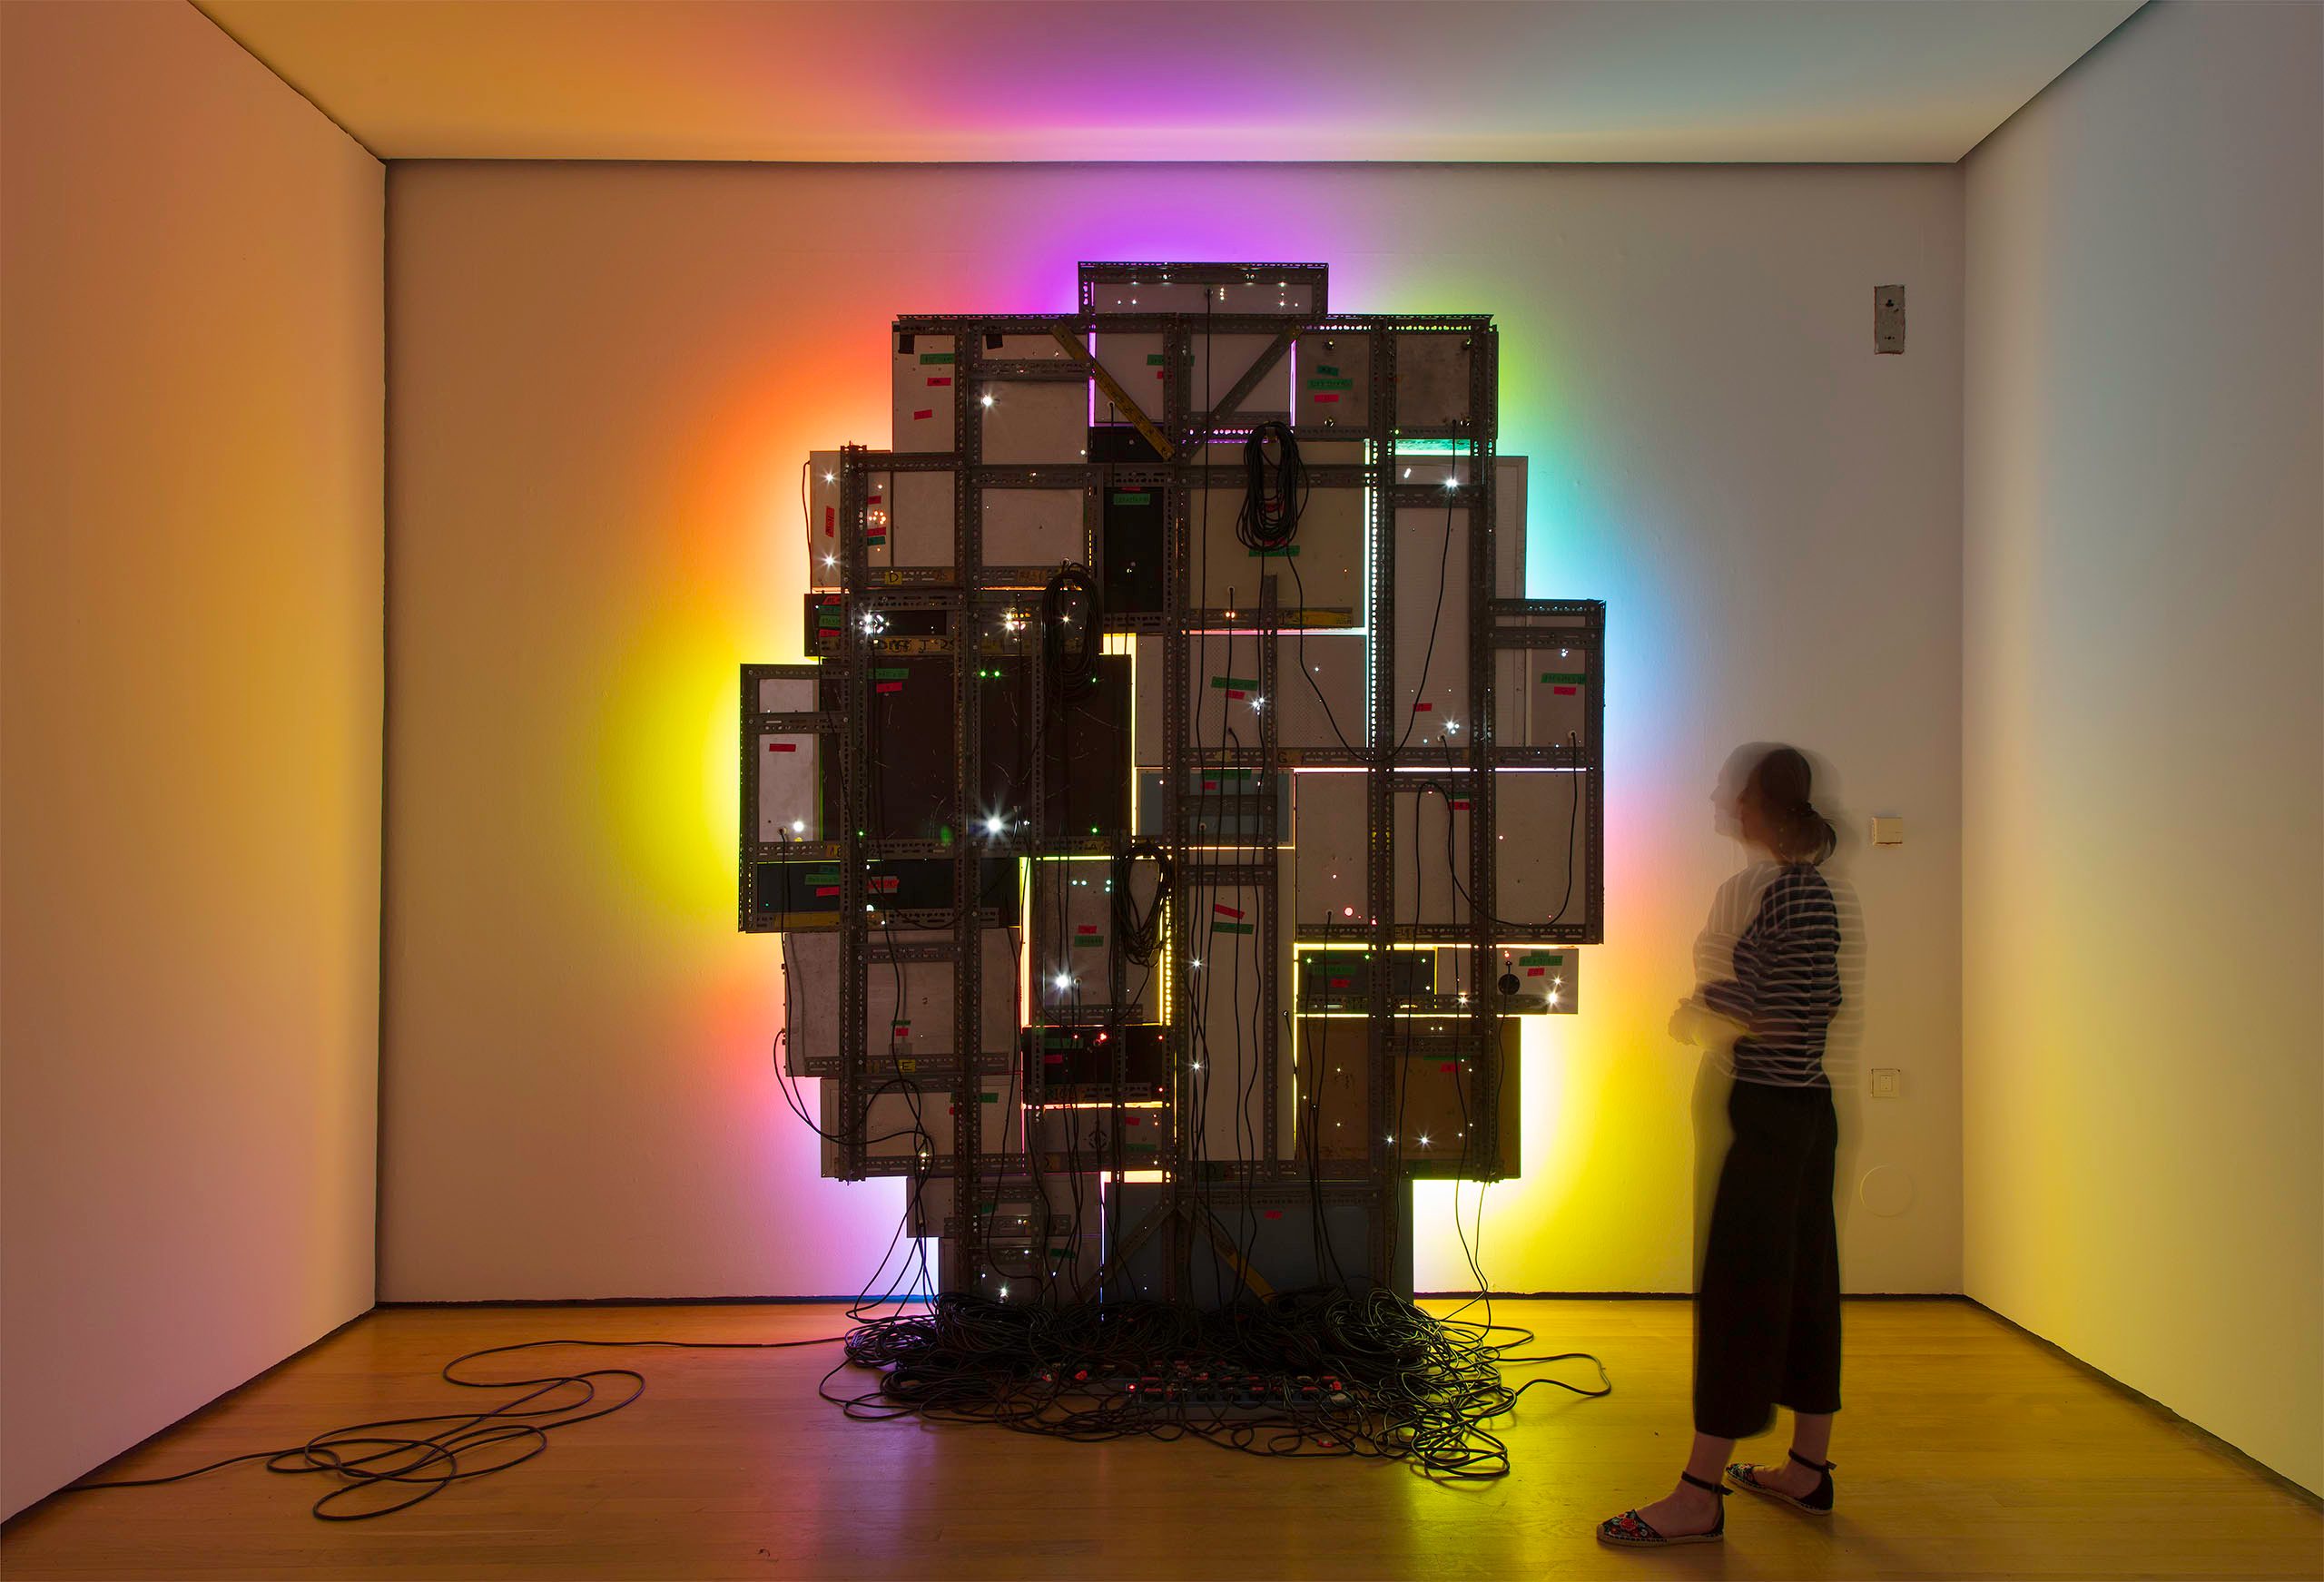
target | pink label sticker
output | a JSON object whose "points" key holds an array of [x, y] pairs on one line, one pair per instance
{"points": [[782, 747], [923, 412]]}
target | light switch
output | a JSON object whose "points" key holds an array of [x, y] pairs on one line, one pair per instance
{"points": [[1884, 1079], [1887, 831]]}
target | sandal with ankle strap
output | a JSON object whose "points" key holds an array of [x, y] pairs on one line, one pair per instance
{"points": [[1816, 1502], [1630, 1530]]}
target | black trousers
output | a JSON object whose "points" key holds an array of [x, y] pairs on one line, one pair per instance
{"points": [[1767, 1317]]}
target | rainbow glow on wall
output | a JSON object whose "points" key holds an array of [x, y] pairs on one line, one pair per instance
{"points": [[666, 738]]}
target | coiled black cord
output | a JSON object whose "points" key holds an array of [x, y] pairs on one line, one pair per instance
{"points": [[1273, 491], [1140, 933]]}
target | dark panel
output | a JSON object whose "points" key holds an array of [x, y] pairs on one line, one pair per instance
{"points": [[1131, 545], [1086, 760]]}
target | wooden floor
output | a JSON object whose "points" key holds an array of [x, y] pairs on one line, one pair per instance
{"points": [[1966, 1450]]}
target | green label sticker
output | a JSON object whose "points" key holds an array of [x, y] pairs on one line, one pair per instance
{"points": [[1538, 959], [1331, 384], [1325, 367], [1133, 498], [1563, 677], [1233, 683], [1287, 551], [990, 1099], [892, 673], [1089, 940], [935, 357], [830, 878], [1154, 359], [1232, 928]]}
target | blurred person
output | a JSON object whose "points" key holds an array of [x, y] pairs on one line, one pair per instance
{"points": [[1767, 1303]]}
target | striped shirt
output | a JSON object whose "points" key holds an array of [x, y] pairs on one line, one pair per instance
{"points": [[1786, 985]]}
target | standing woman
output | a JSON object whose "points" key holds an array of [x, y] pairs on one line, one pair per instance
{"points": [[1767, 1314]]}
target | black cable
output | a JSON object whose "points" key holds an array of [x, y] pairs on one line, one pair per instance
{"points": [[418, 1467], [1273, 493]]}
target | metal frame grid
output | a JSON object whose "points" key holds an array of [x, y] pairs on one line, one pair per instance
{"points": [[971, 598]]}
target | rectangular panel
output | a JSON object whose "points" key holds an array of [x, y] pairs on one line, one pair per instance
{"points": [[1228, 930], [1217, 804], [1320, 571], [922, 391], [1431, 627], [1137, 363], [1077, 1138], [803, 893], [912, 749], [1540, 878], [1077, 1064], [908, 519], [908, 1004], [1431, 845], [788, 788], [1133, 549], [1087, 748], [1034, 423], [1320, 711], [1431, 1131], [1075, 942], [904, 1123], [1220, 361], [1010, 1208], [1341, 980], [787, 694], [1433, 378], [1334, 379], [1036, 528]]}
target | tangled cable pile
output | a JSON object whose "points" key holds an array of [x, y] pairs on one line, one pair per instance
{"points": [[1316, 1373]]}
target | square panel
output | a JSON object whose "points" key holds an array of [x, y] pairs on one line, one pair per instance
{"points": [[906, 1122], [1433, 378], [1033, 422], [1541, 829], [1333, 836]]}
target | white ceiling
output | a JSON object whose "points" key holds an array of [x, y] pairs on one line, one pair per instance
{"points": [[1549, 80]]}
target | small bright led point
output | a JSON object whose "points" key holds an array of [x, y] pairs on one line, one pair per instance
{"points": [[1423, 1139], [1452, 483], [1452, 727], [1062, 982], [992, 826], [830, 560], [984, 400], [830, 477], [1192, 964], [798, 826]]}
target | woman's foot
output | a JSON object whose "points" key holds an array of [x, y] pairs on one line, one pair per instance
{"points": [[1687, 1511], [1789, 1478]]}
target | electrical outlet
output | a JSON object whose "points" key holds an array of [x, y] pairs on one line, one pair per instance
{"points": [[1884, 1081], [1888, 321]]}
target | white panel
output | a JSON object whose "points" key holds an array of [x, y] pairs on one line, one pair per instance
{"points": [[1220, 361], [1322, 569], [1221, 692], [1136, 363], [788, 787], [918, 517], [913, 996], [908, 1118], [1334, 375], [780, 694], [1074, 938], [1031, 423], [1432, 624], [1331, 836], [923, 394], [1538, 820], [1034, 527]]}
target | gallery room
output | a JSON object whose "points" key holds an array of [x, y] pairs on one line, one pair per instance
{"points": [[1315, 787]]}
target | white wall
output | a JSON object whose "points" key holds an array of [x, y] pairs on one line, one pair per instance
{"points": [[606, 379], [190, 701], [2144, 723]]}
